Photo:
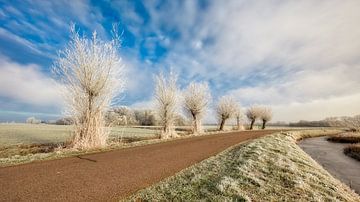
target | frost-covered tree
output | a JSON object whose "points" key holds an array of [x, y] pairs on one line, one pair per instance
{"points": [[121, 115], [253, 113], [146, 117], [226, 109], [238, 116], [196, 99], [353, 123], [265, 115], [92, 75], [33, 120], [166, 96]]}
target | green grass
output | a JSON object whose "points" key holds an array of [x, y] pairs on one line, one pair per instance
{"points": [[272, 168]]}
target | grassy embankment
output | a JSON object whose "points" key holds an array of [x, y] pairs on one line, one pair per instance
{"points": [[352, 150], [272, 168]]}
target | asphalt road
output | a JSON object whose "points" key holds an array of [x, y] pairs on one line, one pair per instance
{"points": [[110, 176]]}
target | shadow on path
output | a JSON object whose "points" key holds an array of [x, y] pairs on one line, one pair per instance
{"points": [[83, 158]]}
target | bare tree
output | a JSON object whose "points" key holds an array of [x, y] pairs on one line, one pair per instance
{"points": [[166, 94], [146, 117], [253, 113], [353, 123], [238, 115], [225, 109], [121, 115], [196, 99], [92, 73], [265, 115]]}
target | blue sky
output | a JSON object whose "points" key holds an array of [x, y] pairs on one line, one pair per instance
{"points": [[302, 58]]}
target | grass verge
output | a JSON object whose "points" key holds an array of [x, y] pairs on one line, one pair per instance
{"points": [[349, 137], [353, 151], [272, 168]]}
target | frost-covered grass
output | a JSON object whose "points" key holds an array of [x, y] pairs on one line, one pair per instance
{"points": [[13, 134], [272, 168], [22, 143]]}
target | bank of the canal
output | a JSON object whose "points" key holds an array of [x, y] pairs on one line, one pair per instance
{"points": [[331, 156]]}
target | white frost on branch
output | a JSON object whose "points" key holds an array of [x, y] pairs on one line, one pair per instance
{"points": [[226, 109], [253, 113], [353, 123], [265, 115], [196, 99], [93, 75], [166, 96], [238, 116]]}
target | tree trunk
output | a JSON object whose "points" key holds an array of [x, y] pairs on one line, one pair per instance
{"points": [[238, 122], [222, 124], [264, 123], [195, 129], [252, 124]]}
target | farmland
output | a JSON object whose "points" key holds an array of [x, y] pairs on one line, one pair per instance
{"points": [[13, 134]]}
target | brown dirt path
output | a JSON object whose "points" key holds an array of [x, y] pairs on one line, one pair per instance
{"points": [[112, 175]]}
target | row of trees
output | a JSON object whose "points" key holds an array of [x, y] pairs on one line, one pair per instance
{"points": [[195, 101], [92, 75], [351, 122]]}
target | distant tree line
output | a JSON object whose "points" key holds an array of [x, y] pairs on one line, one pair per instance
{"points": [[304, 123], [350, 122]]}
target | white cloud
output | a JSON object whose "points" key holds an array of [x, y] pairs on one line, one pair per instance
{"points": [[318, 109], [288, 53], [148, 104], [28, 85]]}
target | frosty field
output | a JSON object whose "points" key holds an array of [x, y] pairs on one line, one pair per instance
{"points": [[13, 134]]}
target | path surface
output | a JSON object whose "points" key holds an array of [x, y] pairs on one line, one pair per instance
{"points": [[331, 156], [111, 175]]}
